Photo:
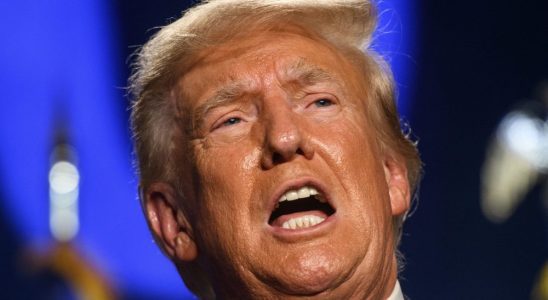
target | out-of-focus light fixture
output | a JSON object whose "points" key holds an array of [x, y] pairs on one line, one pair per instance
{"points": [[527, 136], [516, 160], [81, 275], [64, 180]]}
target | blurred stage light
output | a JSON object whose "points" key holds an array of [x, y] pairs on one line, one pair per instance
{"points": [[516, 160], [527, 136], [64, 179]]}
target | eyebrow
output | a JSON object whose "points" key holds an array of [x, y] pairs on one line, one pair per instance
{"points": [[301, 73], [226, 94]]}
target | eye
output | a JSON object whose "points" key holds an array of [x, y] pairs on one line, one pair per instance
{"points": [[230, 122], [323, 102]]}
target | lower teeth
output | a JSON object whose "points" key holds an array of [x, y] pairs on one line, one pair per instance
{"points": [[302, 222]]}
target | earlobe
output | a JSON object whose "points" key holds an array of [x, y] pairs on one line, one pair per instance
{"points": [[398, 185], [185, 248], [167, 222]]}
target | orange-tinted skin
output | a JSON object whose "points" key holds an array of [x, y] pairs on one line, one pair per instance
{"points": [[278, 132]]}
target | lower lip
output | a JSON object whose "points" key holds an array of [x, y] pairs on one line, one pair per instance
{"points": [[306, 233]]}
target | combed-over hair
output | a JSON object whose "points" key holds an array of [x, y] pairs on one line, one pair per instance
{"points": [[346, 24]]}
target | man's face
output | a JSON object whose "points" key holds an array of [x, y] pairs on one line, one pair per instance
{"points": [[279, 116]]}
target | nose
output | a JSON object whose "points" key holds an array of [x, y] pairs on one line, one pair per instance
{"points": [[285, 137]]}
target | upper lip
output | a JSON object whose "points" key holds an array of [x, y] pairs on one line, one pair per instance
{"points": [[295, 184]]}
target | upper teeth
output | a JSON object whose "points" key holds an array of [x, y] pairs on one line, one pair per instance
{"points": [[301, 193]]}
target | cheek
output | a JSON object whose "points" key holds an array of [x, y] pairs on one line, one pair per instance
{"points": [[350, 144], [350, 147], [229, 167], [225, 181]]}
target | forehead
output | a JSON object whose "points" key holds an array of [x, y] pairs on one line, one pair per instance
{"points": [[265, 45], [263, 58]]}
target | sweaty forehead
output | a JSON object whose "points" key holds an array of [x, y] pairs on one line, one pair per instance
{"points": [[254, 61]]}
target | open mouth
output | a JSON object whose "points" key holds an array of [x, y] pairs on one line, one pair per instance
{"points": [[302, 208]]}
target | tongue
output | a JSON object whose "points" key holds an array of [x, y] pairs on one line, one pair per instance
{"points": [[278, 222]]}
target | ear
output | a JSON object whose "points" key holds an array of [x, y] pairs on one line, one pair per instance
{"points": [[395, 172], [167, 222]]}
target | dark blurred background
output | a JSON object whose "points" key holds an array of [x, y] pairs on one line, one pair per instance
{"points": [[461, 71]]}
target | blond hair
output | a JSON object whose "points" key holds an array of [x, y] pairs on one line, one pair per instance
{"points": [[167, 56]]}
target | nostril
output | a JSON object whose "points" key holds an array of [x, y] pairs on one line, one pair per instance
{"points": [[277, 158]]}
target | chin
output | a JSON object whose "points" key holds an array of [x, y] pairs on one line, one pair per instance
{"points": [[311, 272]]}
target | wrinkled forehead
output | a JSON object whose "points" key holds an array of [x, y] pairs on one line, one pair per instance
{"points": [[288, 55]]}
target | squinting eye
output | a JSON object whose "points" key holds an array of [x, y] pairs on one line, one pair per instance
{"points": [[323, 102], [231, 121]]}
